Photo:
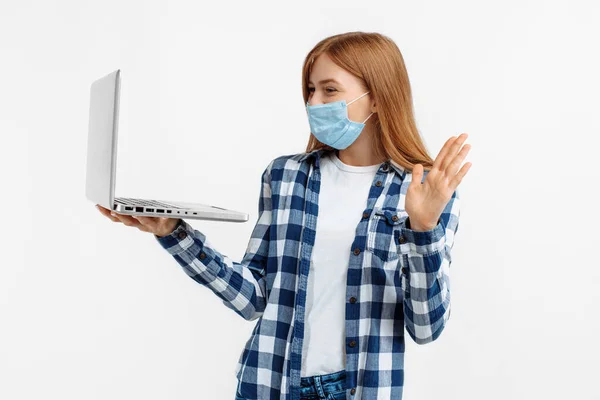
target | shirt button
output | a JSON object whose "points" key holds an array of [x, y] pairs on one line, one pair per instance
{"points": [[202, 256], [378, 183], [404, 270], [352, 343], [356, 251], [352, 299], [385, 167], [365, 215], [352, 391], [395, 218], [402, 239], [182, 235]]}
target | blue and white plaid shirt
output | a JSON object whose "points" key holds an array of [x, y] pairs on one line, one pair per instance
{"points": [[397, 278]]}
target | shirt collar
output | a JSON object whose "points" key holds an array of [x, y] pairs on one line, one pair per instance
{"points": [[315, 155]]}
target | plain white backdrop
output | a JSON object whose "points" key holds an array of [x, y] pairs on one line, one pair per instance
{"points": [[92, 309]]}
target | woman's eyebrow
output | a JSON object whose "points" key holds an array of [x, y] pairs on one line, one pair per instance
{"points": [[326, 81]]}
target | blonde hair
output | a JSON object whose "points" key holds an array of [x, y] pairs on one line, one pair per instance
{"points": [[377, 61]]}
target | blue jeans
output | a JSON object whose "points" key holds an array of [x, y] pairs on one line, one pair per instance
{"points": [[318, 387]]}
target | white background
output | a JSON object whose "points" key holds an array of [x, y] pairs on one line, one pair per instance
{"points": [[91, 309]]}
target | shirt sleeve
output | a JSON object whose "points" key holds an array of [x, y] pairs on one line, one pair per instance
{"points": [[425, 258], [240, 285]]}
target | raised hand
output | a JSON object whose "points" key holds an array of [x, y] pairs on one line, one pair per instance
{"points": [[425, 202]]}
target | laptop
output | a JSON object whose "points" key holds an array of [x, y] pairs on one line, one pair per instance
{"points": [[102, 162]]}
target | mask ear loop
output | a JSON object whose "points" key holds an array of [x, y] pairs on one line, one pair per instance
{"points": [[359, 97]]}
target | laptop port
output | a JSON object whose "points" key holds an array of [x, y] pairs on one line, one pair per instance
{"points": [[150, 209], [168, 211], [195, 213], [160, 210], [128, 208], [139, 209]]}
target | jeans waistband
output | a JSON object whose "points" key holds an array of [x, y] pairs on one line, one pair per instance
{"points": [[322, 385]]}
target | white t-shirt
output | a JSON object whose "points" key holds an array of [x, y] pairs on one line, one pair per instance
{"points": [[342, 200]]}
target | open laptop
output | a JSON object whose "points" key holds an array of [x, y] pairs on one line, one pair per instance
{"points": [[102, 162]]}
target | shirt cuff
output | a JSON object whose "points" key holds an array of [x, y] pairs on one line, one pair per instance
{"points": [[178, 241], [423, 242]]}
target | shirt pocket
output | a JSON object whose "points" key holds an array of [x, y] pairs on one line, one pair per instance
{"points": [[383, 237]]}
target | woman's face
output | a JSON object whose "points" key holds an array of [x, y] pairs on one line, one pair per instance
{"points": [[328, 82]]}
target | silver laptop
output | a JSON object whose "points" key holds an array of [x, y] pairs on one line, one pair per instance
{"points": [[102, 162]]}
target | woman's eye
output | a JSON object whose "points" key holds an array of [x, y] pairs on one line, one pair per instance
{"points": [[310, 90]]}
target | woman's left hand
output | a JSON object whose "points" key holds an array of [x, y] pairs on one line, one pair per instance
{"points": [[425, 202]]}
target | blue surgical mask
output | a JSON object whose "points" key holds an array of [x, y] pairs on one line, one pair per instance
{"points": [[330, 124]]}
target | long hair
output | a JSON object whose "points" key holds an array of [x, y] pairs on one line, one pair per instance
{"points": [[376, 60]]}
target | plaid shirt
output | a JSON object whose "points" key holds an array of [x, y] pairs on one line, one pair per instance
{"points": [[397, 278]]}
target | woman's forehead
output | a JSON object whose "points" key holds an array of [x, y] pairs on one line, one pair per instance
{"points": [[334, 75], [325, 69]]}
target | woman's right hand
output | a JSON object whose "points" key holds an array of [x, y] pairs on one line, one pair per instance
{"points": [[160, 226]]}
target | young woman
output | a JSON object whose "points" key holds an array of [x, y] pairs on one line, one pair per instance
{"points": [[353, 239]]}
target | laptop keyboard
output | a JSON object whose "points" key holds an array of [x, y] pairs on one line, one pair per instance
{"points": [[139, 202]]}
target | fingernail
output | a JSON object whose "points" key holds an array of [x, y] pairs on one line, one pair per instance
{"points": [[113, 214]]}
